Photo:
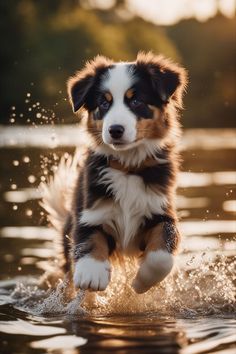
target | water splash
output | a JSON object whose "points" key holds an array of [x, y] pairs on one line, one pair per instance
{"points": [[206, 290]]}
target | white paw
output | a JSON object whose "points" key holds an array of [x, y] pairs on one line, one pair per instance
{"points": [[155, 267], [91, 274]]}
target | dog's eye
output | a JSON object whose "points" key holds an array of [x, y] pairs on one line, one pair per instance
{"points": [[135, 103], [104, 105]]}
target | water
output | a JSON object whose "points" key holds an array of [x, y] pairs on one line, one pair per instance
{"points": [[193, 311]]}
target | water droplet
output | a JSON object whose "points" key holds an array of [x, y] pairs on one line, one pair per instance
{"points": [[15, 207], [28, 94], [15, 163], [13, 108], [31, 179], [38, 115], [13, 186], [26, 159], [29, 212]]}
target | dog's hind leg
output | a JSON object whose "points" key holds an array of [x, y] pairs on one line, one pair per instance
{"points": [[158, 258]]}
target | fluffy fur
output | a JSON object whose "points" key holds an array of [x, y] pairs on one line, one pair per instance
{"points": [[123, 200]]}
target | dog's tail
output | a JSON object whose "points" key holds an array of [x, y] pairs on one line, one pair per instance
{"points": [[56, 200], [57, 192]]}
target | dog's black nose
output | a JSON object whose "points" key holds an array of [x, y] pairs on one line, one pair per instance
{"points": [[116, 131]]}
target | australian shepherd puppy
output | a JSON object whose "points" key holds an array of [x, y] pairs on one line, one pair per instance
{"points": [[123, 202]]}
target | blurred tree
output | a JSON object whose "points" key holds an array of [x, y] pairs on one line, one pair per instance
{"points": [[48, 41], [209, 51], [45, 42]]}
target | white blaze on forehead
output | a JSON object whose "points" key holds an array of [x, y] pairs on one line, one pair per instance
{"points": [[119, 79]]}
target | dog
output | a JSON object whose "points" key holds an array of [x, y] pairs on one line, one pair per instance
{"points": [[123, 200]]}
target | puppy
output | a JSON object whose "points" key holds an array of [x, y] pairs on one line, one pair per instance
{"points": [[123, 202]]}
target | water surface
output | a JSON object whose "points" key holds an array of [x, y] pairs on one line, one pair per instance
{"points": [[192, 311]]}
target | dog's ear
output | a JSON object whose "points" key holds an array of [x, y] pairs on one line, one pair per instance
{"points": [[81, 84], [167, 79], [78, 89]]}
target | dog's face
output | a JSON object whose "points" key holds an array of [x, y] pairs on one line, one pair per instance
{"points": [[127, 102]]}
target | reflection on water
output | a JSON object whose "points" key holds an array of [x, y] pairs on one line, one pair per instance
{"points": [[59, 342], [191, 312]]}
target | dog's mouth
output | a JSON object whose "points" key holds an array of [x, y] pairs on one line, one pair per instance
{"points": [[122, 145], [119, 145]]}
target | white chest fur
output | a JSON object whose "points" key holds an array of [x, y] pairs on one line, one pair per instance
{"points": [[133, 200]]}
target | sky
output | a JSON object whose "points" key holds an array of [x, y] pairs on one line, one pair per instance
{"points": [[168, 12]]}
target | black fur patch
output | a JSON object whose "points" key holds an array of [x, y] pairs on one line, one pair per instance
{"points": [[160, 174], [140, 100], [144, 87], [83, 234], [156, 219], [160, 84], [88, 191], [95, 165]]}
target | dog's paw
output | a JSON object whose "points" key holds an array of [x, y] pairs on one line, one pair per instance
{"points": [[91, 274], [155, 267]]}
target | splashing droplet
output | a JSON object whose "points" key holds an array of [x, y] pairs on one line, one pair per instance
{"points": [[31, 179], [26, 159], [29, 212]]}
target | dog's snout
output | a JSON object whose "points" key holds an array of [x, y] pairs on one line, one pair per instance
{"points": [[116, 131]]}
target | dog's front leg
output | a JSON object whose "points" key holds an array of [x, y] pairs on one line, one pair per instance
{"points": [[158, 258], [92, 267]]}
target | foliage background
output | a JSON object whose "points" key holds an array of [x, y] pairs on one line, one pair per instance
{"points": [[44, 42]]}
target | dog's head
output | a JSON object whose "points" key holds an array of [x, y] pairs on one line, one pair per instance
{"points": [[128, 103]]}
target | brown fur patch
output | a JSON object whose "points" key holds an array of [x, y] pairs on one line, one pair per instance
{"points": [[164, 236], [153, 128], [94, 128], [148, 162], [129, 93], [100, 250]]}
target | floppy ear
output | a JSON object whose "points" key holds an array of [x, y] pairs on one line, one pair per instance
{"points": [[80, 85], [167, 79], [78, 89], [166, 83]]}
